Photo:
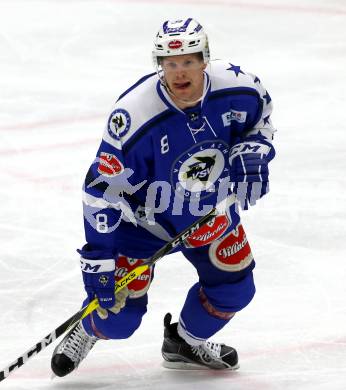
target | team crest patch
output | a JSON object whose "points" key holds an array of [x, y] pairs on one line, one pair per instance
{"points": [[139, 286], [208, 232], [109, 165], [119, 123], [231, 253], [103, 279], [197, 172]]}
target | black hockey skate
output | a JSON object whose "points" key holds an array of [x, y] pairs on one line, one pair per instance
{"points": [[71, 351], [178, 354]]}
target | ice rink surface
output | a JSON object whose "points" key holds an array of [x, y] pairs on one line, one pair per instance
{"points": [[62, 65]]}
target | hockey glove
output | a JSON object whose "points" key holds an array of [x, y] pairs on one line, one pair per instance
{"points": [[99, 281], [120, 298], [249, 170]]}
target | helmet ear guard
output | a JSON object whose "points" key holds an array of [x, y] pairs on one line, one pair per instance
{"points": [[185, 36]]}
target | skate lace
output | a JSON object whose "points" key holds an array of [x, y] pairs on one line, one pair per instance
{"points": [[78, 345], [208, 351]]}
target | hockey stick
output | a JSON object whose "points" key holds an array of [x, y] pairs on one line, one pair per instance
{"points": [[60, 330]]}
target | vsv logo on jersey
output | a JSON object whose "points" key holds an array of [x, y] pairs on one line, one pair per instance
{"points": [[209, 232], [233, 115], [201, 169], [195, 172], [109, 165], [139, 286], [231, 253], [119, 123]]}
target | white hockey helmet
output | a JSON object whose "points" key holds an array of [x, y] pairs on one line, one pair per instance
{"points": [[185, 36]]}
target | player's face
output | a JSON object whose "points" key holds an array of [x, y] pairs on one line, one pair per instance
{"points": [[184, 76]]}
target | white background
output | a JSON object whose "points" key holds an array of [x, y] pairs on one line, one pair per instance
{"points": [[62, 65]]}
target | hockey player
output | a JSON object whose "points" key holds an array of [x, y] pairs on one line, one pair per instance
{"points": [[171, 143]]}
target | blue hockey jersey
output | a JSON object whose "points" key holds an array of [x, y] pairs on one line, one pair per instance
{"points": [[159, 168]]}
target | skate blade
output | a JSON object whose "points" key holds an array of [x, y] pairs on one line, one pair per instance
{"points": [[183, 366], [192, 366]]}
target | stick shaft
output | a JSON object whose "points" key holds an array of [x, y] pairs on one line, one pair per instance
{"points": [[60, 330]]}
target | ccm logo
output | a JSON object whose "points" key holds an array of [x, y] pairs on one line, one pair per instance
{"points": [[181, 239], [86, 267]]}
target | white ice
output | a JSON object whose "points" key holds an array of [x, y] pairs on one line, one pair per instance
{"points": [[62, 65]]}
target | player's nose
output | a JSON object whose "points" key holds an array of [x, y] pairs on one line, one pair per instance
{"points": [[180, 74]]}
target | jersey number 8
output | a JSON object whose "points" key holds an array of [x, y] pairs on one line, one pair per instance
{"points": [[102, 223], [164, 144]]}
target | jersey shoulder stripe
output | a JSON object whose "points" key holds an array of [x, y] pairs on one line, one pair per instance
{"points": [[233, 91], [225, 76], [230, 79], [136, 108]]}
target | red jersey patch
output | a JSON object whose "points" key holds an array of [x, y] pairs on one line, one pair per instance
{"points": [[141, 284], [231, 253], [109, 165], [209, 232]]}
